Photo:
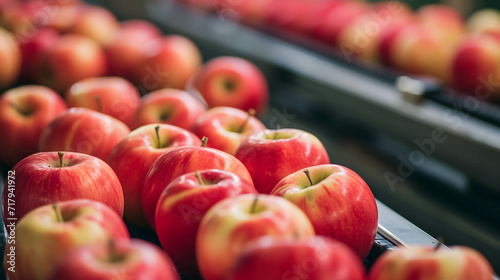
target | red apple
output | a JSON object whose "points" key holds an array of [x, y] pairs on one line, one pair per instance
{"points": [[334, 19], [47, 234], [227, 128], [118, 98], [444, 21], [233, 223], [271, 155], [121, 259], [85, 131], [337, 201], [134, 155], [125, 50], [475, 66], [33, 48], [45, 178], [419, 263], [310, 258], [233, 82], [24, 112], [73, 58], [182, 206], [169, 106], [179, 161], [94, 22], [10, 56], [169, 62]]}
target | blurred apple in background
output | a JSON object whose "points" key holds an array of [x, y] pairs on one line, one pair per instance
{"points": [[10, 56], [118, 98], [182, 206], [338, 202], [476, 65], [125, 50], [24, 112], [484, 20], [134, 155], [271, 155], [233, 82], [179, 161], [233, 223], [169, 106], [94, 22], [120, 259], [335, 18], [309, 258], [84, 131], [52, 177], [227, 127], [47, 234], [169, 62], [33, 48], [419, 263], [73, 58], [444, 21]]}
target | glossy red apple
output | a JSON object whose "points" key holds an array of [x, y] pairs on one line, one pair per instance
{"points": [[33, 48], [169, 106], [233, 82], [73, 58], [24, 112], [310, 258], [419, 263], [227, 127], [233, 223], [337, 201], [182, 206], [134, 155], [51, 177], [120, 259], [179, 161], [271, 155], [84, 131], [118, 98], [169, 62], [45, 236]]}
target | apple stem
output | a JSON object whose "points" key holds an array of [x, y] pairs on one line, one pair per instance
{"points": [[113, 255], [198, 176], [157, 131], [308, 176], [58, 213], [204, 141], [254, 204], [99, 104], [251, 113], [61, 155], [276, 132]]}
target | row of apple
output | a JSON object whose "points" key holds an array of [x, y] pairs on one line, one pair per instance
{"points": [[435, 40]]}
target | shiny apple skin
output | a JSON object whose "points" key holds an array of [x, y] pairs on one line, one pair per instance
{"points": [[118, 97], [340, 204], [419, 263], [182, 206], [229, 226], [21, 132], [269, 160], [134, 155], [84, 131], [42, 242], [179, 161], [39, 180], [221, 125], [169, 106], [138, 260], [318, 258]]}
